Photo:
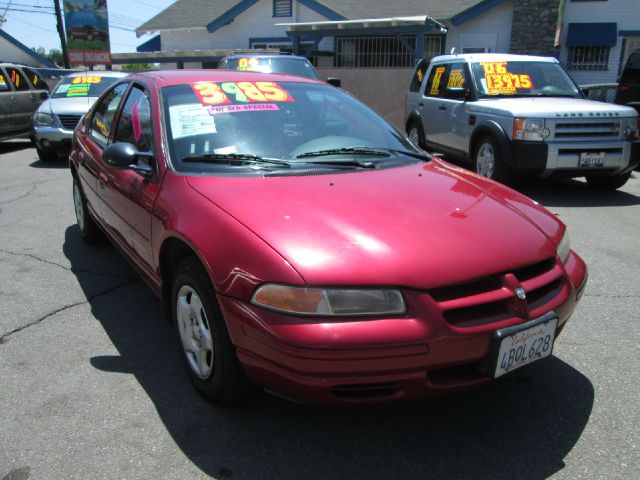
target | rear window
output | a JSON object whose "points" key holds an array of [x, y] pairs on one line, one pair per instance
{"points": [[288, 65], [83, 86], [632, 68]]}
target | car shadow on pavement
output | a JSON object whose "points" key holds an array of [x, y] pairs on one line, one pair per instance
{"points": [[521, 427], [574, 193], [60, 162], [14, 146]]}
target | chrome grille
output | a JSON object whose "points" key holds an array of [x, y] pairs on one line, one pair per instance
{"points": [[69, 122], [573, 130]]}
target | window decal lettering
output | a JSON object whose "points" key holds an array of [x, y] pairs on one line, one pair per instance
{"points": [[135, 121], [210, 93], [501, 81], [456, 79], [250, 107], [435, 85]]}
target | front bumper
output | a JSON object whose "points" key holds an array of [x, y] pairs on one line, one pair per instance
{"points": [[350, 361], [562, 159], [53, 138]]}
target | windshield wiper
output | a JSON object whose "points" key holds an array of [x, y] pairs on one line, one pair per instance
{"points": [[345, 151], [234, 158]]}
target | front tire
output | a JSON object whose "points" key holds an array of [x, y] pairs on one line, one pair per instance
{"points": [[488, 161], [207, 352], [47, 156], [89, 230], [608, 183]]}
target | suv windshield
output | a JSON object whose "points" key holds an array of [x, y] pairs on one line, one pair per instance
{"points": [[289, 65], [83, 86], [253, 122], [522, 79]]}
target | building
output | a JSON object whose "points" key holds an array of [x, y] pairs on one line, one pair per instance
{"points": [[597, 38], [12, 51], [388, 41]]}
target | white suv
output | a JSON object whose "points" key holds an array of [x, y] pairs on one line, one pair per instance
{"points": [[508, 114]]}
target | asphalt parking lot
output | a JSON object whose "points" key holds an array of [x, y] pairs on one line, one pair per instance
{"points": [[91, 384]]}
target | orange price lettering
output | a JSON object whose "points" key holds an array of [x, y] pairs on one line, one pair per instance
{"points": [[210, 93], [273, 92], [435, 85], [83, 79]]}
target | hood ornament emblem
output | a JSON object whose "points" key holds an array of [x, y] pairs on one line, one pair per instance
{"points": [[521, 294]]}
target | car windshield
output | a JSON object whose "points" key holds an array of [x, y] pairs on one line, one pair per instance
{"points": [[288, 65], [519, 78], [83, 86], [214, 126]]}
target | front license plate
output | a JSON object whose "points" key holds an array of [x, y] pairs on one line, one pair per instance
{"points": [[532, 342], [592, 159]]}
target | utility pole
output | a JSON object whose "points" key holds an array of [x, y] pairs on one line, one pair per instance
{"points": [[63, 39]]}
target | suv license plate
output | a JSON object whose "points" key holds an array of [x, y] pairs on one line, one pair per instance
{"points": [[524, 345], [592, 159]]}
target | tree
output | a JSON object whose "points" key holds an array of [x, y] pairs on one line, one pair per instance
{"points": [[54, 55], [137, 67]]}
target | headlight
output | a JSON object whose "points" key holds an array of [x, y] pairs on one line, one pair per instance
{"points": [[329, 301], [564, 247], [531, 129], [42, 118]]}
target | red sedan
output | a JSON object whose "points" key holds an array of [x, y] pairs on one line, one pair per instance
{"points": [[300, 243]]}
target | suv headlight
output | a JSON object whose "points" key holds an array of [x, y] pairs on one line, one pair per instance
{"points": [[531, 129], [564, 248], [42, 118], [329, 301]]}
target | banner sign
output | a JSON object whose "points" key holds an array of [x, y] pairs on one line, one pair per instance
{"points": [[87, 26]]}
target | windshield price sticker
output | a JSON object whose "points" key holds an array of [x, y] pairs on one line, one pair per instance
{"points": [[435, 85], [210, 93], [189, 120], [85, 79], [456, 79], [248, 64], [501, 81]]}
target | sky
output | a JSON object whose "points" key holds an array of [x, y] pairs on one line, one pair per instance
{"points": [[33, 22]]}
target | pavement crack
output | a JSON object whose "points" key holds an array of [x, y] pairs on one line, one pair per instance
{"points": [[19, 185], [611, 296], [20, 197], [4, 337], [68, 269]]}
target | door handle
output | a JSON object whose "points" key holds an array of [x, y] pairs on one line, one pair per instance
{"points": [[442, 108], [421, 104], [102, 179]]}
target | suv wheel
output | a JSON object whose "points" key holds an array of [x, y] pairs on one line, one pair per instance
{"points": [[608, 183], [47, 155], [207, 352], [416, 135], [488, 160]]}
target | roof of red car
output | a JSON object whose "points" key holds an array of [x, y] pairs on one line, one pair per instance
{"points": [[163, 78]]}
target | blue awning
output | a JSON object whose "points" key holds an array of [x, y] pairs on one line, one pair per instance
{"points": [[592, 34], [152, 45]]}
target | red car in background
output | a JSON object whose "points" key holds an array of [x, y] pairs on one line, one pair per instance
{"points": [[301, 243]]}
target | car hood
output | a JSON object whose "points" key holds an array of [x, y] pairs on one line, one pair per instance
{"points": [[550, 107], [418, 226], [67, 106]]}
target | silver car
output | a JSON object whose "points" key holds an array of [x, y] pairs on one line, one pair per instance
{"points": [[54, 121]]}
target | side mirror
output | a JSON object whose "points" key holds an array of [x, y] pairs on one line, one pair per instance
{"points": [[459, 93], [44, 95], [336, 82], [125, 156]]}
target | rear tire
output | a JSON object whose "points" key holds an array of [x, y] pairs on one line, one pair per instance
{"points": [[89, 230], [207, 352], [416, 135], [608, 183], [488, 161]]}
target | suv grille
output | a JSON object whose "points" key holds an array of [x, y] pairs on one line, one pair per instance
{"points": [[581, 130], [493, 299], [69, 122]]}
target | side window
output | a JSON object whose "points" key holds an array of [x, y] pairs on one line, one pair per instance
{"points": [[437, 81], [457, 78], [418, 75], [18, 79], [4, 86], [134, 125], [104, 113], [36, 80]]}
